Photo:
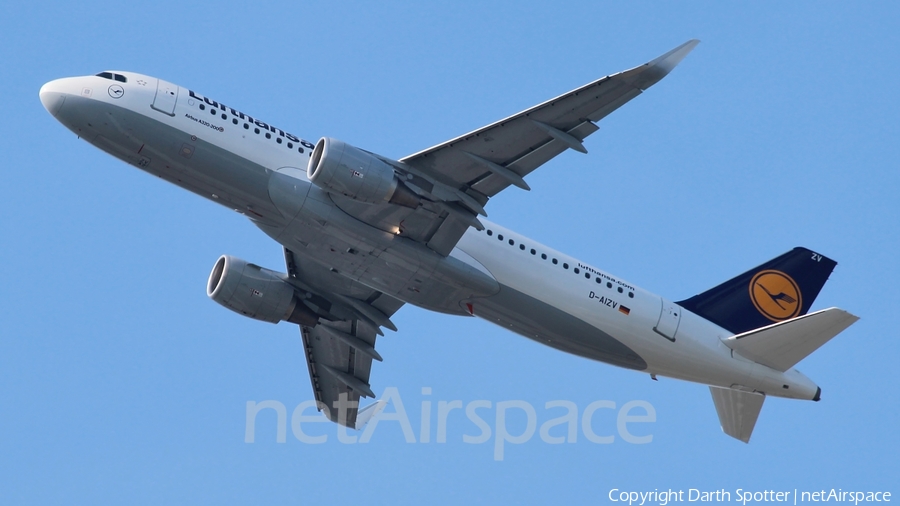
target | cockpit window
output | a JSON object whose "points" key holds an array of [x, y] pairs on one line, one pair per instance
{"points": [[110, 75]]}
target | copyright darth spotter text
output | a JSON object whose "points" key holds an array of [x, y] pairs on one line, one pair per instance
{"points": [[744, 497]]}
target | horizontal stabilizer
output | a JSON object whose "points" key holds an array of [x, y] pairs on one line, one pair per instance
{"points": [[781, 345], [737, 411]]}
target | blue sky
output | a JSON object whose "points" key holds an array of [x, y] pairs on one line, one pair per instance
{"points": [[120, 381]]}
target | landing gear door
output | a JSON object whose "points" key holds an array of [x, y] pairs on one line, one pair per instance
{"points": [[166, 97], [669, 318]]}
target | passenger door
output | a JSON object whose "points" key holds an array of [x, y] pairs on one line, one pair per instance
{"points": [[166, 97], [669, 318]]}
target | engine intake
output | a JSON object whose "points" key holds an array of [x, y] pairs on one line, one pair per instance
{"points": [[257, 293], [338, 167]]}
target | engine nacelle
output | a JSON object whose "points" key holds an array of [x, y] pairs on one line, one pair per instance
{"points": [[340, 168], [256, 293]]}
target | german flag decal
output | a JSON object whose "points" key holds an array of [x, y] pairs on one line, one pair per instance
{"points": [[624, 310]]}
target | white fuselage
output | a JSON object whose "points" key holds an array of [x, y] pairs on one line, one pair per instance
{"points": [[228, 157]]}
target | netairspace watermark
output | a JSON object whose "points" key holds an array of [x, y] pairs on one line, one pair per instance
{"points": [[484, 420], [744, 497]]}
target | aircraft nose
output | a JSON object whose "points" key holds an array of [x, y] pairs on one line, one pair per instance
{"points": [[53, 96]]}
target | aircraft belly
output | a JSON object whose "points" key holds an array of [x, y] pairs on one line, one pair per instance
{"points": [[319, 231], [237, 182], [549, 325], [381, 268]]}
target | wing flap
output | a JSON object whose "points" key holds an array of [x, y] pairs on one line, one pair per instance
{"points": [[737, 410], [446, 237], [781, 345]]}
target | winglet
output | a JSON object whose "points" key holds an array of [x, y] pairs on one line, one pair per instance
{"points": [[369, 412], [653, 71], [668, 61]]}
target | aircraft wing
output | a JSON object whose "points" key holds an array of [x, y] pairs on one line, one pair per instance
{"points": [[456, 178], [483, 162], [340, 349], [334, 367]]}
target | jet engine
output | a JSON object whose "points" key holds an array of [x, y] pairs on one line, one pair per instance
{"points": [[340, 168], [256, 293]]}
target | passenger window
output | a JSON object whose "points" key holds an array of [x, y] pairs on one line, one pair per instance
{"points": [[268, 135], [587, 275], [597, 280], [522, 247], [490, 232], [576, 270], [533, 252], [234, 120], [224, 116], [620, 289], [630, 295], [555, 261], [511, 242], [543, 256], [256, 130], [499, 237], [608, 284], [565, 266], [278, 140]]}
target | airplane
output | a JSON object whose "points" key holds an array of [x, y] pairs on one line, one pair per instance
{"points": [[363, 234]]}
